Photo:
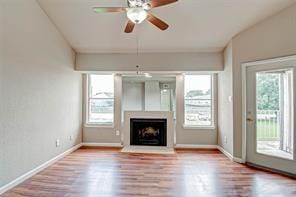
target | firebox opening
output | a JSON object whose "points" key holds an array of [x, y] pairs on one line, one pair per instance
{"points": [[148, 132]]}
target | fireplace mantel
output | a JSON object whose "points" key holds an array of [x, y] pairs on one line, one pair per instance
{"points": [[169, 116]]}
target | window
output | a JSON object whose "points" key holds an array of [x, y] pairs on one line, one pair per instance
{"points": [[198, 100], [100, 99]]}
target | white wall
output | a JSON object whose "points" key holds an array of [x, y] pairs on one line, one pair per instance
{"points": [[274, 37], [160, 62], [225, 105], [41, 92], [1, 76]]}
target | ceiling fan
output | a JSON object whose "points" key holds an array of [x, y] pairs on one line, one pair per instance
{"points": [[137, 11]]}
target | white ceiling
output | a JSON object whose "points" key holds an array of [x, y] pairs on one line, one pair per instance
{"points": [[195, 25]]}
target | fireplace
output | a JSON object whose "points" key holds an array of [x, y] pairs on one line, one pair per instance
{"points": [[148, 132]]}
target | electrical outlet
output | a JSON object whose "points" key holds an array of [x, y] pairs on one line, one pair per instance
{"points": [[117, 132], [57, 142]]}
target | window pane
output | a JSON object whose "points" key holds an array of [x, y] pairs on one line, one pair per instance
{"points": [[198, 86], [101, 110], [198, 112], [101, 86], [101, 99], [198, 100]]}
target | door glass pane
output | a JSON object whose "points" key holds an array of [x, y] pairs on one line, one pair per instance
{"points": [[274, 116]]}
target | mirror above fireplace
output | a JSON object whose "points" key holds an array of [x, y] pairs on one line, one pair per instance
{"points": [[153, 93]]}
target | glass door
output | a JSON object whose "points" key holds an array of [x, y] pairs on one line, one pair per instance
{"points": [[270, 116]]}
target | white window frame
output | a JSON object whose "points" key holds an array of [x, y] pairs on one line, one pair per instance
{"points": [[87, 105], [213, 86]]}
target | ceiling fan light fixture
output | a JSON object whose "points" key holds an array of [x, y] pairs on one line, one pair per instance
{"points": [[136, 15], [137, 3], [146, 6]]}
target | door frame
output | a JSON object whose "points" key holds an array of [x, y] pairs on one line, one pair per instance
{"points": [[244, 67]]}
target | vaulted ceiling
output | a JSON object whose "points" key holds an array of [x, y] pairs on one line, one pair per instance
{"points": [[195, 25]]}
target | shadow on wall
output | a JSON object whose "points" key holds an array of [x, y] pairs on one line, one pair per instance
{"points": [[42, 95]]}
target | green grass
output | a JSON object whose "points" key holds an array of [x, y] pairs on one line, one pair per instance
{"points": [[267, 131]]}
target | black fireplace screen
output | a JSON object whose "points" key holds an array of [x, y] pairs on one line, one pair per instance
{"points": [[148, 132]]}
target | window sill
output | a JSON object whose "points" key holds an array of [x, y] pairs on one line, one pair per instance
{"points": [[93, 125], [199, 127]]}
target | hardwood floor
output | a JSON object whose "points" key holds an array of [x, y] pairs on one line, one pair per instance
{"points": [[108, 172]]}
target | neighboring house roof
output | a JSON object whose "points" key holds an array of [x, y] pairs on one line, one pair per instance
{"points": [[199, 97], [104, 95]]}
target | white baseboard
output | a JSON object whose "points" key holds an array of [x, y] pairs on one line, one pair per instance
{"points": [[34, 171], [227, 154], [117, 145], [195, 146], [230, 156]]}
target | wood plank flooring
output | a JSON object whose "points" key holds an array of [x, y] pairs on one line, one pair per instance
{"points": [[108, 172]]}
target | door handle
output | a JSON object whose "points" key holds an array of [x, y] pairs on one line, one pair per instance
{"points": [[250, 120]]}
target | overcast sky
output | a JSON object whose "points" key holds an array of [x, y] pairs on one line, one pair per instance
{"points": [[197, 82], [102, 83]]}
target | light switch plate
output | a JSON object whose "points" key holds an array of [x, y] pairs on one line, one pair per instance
{"points": [[57, 142]]}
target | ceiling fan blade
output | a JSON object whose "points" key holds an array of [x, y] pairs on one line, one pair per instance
{"points": [[108, 9], [157, 22], [129, 27], [158, 3]]}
